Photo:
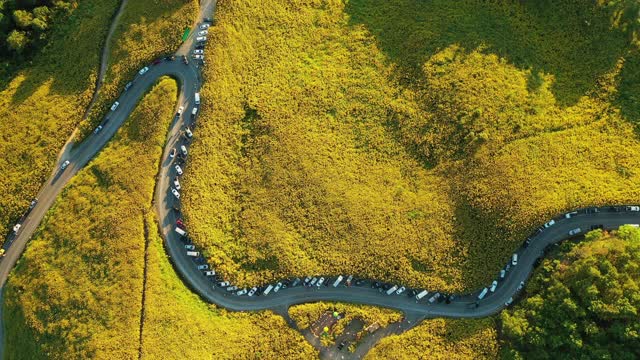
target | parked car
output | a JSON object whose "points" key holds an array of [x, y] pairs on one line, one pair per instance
{"points": [[494, 285], [520, 286], [184, 150], [319, 283], [198, 57], [97, 130], [143, 70], [204, 26], [232, 288], [277, 288], [550, 223], [514, 259], [633, 208], [64, 165], [306, 280], [175, 193], [526, 243], [503, 273], [190, 247], [201, 38], [253, 291], [401, 290], [508, 301], [203, 267], [178, 169], [16, 228], [180, 110], [115, 106], [575, 231], [242, 292], [172, 153], [156, 61], [223, 284], [210, 273], [188, 132], [203, 32], [185, 60], [570, 214], [176, 183], [200, 46], [198, 52], [33, 204]]}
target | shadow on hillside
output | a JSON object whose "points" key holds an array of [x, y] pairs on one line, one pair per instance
{"points": [[573, 42], [628, 98]]}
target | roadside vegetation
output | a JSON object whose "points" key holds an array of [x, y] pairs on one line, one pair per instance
{"points": [[76, 291], [41, 104], [441, 338], [352, 138], [144, 33], [584, 303]]}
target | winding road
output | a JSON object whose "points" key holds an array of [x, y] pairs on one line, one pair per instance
{"points": [[190, 81]]}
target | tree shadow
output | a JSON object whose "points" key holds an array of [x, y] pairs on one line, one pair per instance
{"points": [[572, 41], [628, 97]]}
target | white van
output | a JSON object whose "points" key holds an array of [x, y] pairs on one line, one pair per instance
{"points": [[197, 96], [267, 290], [392, 290], [338, 281], [193, 253], [483, 293], [180, 231], [514, 259], [421, 294]]}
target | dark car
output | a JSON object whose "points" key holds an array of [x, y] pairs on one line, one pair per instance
{"points": [[526, 242], [375, 285], [170, 58], [156, 61], [342, 344], [200, 47], [597, 226]]}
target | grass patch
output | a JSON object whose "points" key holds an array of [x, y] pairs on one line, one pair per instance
{"points": [[368, 137], [42, 103], [461, 339], [76, 291]]}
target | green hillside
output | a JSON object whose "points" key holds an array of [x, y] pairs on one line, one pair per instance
{"points": [[405, 140]]}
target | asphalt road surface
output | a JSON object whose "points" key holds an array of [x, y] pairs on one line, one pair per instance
{"points": [[189, 79]]}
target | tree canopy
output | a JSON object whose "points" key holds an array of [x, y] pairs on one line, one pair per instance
{"points": [[585, 304]]}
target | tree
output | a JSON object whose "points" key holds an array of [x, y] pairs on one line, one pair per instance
{"points": [[17, 41], [586, 306], [22, 18]]}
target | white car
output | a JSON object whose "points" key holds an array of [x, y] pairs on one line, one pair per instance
{"points": [[176, 183], [210, 273], [252, 291], [198, 51], [97, 130], [223, 284], [633, 208], [115, 106], [203, 32], [188, 132], [180, 110], [401, 290], [64, 165], [570, 214], [204, 26], [184, 150], [277, 288], [201, 38], [575, 231], [550, 223], [175, 193], [203, 267], [508, 301], [143, 70], [178, 169], [503, 273], [232, 288], [319, 283], [172, 153], [242, 292], [190, 247], [16, 228], [520, 286], [494, 285], [198, 57]]}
